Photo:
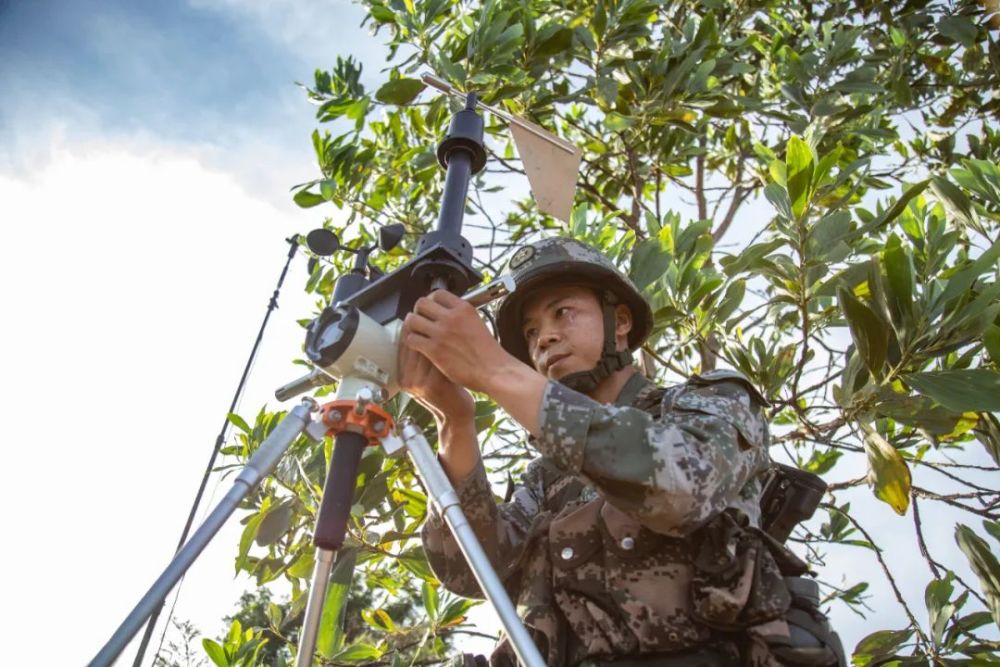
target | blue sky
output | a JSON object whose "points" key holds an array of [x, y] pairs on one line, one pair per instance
{"points": [[216, 76]]}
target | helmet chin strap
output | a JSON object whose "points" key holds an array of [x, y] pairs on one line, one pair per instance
{"points": [[612, 359]]}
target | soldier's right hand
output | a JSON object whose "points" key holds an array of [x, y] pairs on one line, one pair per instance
{"points": [[449, 402]]}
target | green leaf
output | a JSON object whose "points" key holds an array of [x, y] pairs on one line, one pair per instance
{"points": [[238, 422], [778, 197], [378, 619], [330, 636], [955, 201], [215, 652], [386, 621], [960, 29], [246, 540], [991, 340], [984, 564], [607, 90], [879, 644], [559, 41], [893, 212], [415, 561], [306, 199], [821, 462], [988, 434], [235, 633], [993, 528], [832, 228], [399, 91], [750, 258], [430, 598], [274, 615], [960, 282], [303, 566], [937, 598], [968, 390], [917, 411], [888, 474], [870, 333], [650, 260], [799, 163], [357, 653], [899, 273], [327, 189], [616, 122], [731, 301], [455, 611], [274, 525]]}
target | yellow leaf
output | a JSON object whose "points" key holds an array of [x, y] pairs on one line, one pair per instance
{"points": [[888, 474], [455, 621], [386, 620], [963, 426]]}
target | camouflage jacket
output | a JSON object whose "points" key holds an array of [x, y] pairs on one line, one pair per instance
{"points": [[633, 533]]}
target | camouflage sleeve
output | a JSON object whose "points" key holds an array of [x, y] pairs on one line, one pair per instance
{"points": [[501, 530], [672, 474]]}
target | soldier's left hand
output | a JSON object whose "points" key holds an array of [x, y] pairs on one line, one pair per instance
{"points": [[449, 332]]}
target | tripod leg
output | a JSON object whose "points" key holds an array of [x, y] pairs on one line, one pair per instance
{"points": [[314, 607], [443, 493], [331, 529], [258, 467]]}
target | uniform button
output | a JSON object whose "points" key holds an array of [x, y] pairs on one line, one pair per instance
{"points": [[673, 636], [567, 553], [628, 543]]}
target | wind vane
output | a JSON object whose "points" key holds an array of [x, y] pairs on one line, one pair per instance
{"points": [[551, 163]]}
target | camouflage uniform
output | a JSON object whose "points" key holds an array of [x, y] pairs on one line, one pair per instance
{"points": [[634, 533]]}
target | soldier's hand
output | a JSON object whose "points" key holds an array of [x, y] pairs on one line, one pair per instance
{"points": [[449, 332], [446, 400]]}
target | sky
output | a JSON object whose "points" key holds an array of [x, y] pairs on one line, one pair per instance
{"points": [[146, 154]]}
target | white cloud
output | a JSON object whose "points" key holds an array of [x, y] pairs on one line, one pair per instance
{"points": [[135, 281]]}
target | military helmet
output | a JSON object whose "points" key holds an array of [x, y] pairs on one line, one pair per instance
{"points": [[566, 261]]}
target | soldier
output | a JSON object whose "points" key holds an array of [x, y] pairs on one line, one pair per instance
{"points": [[633, 537]]}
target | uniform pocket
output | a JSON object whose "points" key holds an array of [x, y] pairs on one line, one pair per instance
{"points": [[736, 581], [648, 578], [576, 549]]}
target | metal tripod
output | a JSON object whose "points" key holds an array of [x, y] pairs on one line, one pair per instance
{"points": [[355, 339], [263, 462], [368, 420]]}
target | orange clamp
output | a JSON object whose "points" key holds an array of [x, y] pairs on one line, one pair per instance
{"points": [[374, 423]]}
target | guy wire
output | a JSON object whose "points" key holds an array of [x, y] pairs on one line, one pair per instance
{"points": [[272, 305]]}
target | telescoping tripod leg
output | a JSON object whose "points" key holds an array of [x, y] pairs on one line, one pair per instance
{"points": [[259, 466], [443, 493], [356, 421], [328, 537]]}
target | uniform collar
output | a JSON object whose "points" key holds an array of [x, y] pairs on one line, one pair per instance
{"points": [[630, 392]]}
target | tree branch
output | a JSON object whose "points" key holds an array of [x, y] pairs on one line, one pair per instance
{"points": [[699, 176], [888, 575]]}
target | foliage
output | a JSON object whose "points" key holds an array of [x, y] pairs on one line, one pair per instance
{"points": [[182, 651], [848, 148], [280, 629]]}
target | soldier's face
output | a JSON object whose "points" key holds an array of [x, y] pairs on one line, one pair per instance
{"points": [[564, 329]]}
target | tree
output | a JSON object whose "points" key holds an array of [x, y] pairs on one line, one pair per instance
{"points": [[806, 192], [181, 652], [281, 629]]}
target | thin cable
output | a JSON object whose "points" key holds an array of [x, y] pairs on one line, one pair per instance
{"points": [[180, 584], [293, 241]]}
